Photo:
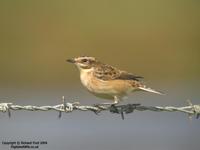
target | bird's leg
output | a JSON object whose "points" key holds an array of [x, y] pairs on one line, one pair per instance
{"points": [[116, 101]]}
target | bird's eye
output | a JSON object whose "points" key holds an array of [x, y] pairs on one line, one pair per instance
{"points": [[84, 60]]}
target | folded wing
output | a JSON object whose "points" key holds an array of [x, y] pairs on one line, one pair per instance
{"points": [[107, 72]]}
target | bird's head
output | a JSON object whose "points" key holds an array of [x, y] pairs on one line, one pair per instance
{"points": [[83, 62]]}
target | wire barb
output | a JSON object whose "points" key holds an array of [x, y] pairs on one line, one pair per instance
{"points": [[5, 107], [191, 110], [195, 109]]}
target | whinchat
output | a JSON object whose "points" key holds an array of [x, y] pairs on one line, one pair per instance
{"points": [[106, 81]]}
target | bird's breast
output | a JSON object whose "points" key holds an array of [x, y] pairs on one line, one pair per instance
{"points": [[98, 86], [94, 84]]}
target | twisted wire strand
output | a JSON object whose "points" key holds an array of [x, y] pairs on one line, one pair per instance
{"points": [[191, 110]]}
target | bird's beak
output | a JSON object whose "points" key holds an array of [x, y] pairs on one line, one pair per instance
{"points": [[71, 60]]}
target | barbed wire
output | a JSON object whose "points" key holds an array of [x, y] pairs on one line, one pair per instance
{"points": [[191, 110]]}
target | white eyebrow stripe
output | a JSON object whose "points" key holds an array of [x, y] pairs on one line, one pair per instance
{"points": [[86, 57]]}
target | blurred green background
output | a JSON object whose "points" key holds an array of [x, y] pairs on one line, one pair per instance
{"points": [[157, 39]]}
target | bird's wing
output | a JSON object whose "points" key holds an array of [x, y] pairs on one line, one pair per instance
{"points": [[128, 76], [107, 72]]}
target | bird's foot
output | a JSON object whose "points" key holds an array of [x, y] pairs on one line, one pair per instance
{"points": [[105, 105]]}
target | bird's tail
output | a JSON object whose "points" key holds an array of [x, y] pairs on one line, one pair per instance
{"points": [[147, 89]]}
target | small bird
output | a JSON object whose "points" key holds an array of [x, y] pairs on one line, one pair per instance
{"points": [[106, 81]]}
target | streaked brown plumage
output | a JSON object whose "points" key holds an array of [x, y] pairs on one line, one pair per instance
{"points": [[107, 72], [106, 81]]}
